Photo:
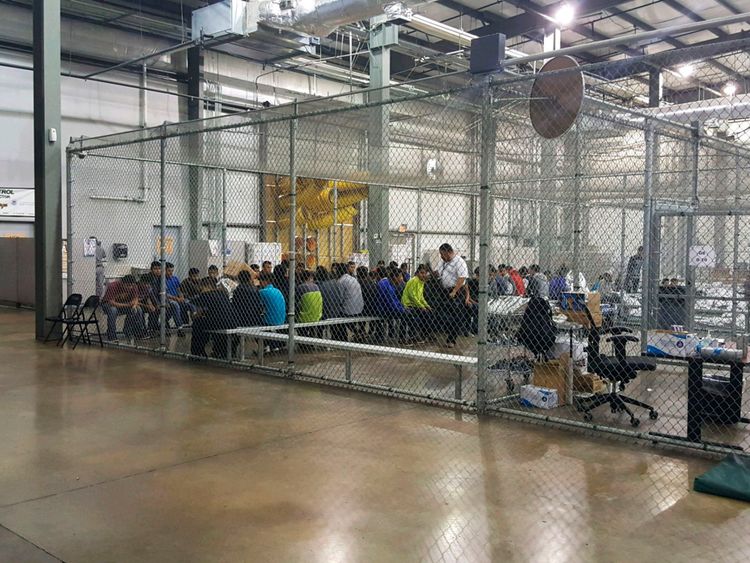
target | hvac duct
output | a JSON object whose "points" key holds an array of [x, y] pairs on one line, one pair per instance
{"points": [[322, 17]]}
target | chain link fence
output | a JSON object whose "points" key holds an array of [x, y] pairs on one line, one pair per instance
{"points": [[429, 241]]}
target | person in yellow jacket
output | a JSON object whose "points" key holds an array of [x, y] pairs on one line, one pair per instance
{"points": [[416, 305]]}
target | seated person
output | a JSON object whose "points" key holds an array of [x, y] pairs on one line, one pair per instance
{"points": [[150, 289], [274, 304], [180, 307], [246, 301], [309, 305], [333, 296], [417, 306], [309, 300], [121, 298], [604, 284], [559, 284], [390, 304], [214, 312], [190, 287]]}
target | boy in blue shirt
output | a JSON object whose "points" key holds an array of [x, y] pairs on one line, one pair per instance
{"points": [[390, 303]]}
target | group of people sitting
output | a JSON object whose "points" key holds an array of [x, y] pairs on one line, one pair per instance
{"points": [[414, 306]]}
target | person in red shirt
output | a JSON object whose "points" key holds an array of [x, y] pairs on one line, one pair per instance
{"points": [[122, 298], [517, 280]]}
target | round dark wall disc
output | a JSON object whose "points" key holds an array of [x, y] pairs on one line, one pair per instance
{"points": [[556, 99]]}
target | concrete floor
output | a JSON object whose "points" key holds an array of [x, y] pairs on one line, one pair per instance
{"points": [[115, 456]]}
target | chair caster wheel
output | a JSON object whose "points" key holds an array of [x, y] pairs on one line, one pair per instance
{"points": [[653, 415], [588, 417], [635, 422]]}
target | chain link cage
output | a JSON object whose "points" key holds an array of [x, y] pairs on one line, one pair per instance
{"points": [[425, 241]]}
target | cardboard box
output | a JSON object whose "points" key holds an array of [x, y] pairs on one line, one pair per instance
{"points": [[665, 343], [552, 375], [539, 397], [573, 304], [588, 383]]}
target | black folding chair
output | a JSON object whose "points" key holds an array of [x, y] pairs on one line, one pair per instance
{"points": [[70, 311], [83, 322]]}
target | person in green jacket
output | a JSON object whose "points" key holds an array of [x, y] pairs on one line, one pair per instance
{"points": [[416, 305], [309, 300], [309, 307]]}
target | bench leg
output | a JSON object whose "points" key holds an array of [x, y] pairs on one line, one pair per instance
{"points": [[261, 346], [242, 347], [230, 342], [348, 366], [459, 383]]}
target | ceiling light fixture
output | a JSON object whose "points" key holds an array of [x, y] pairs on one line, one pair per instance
{"points": [[565, 15], [730, 89], [686, 70]]}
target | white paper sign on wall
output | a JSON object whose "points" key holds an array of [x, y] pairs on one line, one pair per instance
{"points": [[702, 256]]}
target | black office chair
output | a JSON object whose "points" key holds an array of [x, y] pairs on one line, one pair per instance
{"points": [[69, 311], [83, 322], [617, 370]]}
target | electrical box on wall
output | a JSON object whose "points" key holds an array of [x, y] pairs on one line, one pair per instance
{"points": [[119, 251]]}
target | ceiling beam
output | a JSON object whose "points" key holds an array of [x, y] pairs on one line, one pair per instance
{"points": [[687, 12], [639, 23]]}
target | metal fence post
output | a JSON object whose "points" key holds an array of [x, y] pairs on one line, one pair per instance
{"points": [[735, 247], [223, 220], [648, 184], [162, 239], [690, 238], [487, 173], [69, 220], [292, 234], [577, 211]]}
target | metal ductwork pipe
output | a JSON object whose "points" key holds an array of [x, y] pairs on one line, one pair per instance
{"points": [[322, 17]]}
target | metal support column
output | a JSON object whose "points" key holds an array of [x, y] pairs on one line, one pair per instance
{"points": [[47, 162], [486, 175], [162, 240], [648, 184], [383, 36], [292, 234], [194, 142]]}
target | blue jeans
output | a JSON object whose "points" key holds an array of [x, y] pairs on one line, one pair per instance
{"points": [[133, 318]]}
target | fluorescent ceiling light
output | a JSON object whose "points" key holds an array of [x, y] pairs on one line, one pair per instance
{"points": [[565, 15], [440, 30], [686, 70], [730, 89]]}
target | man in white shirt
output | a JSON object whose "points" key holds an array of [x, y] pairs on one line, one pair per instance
{"points": [[453, 273]]}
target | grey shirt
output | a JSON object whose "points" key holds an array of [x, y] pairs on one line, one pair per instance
{"points": [[353, 304], [538, 286]]}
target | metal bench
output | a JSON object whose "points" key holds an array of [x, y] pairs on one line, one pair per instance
{"points": [[252, 331], [349, 347]]}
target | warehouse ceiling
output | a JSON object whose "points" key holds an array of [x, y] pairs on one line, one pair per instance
{"points": [[422, 54]]}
